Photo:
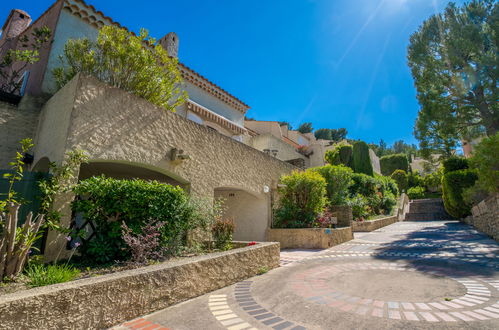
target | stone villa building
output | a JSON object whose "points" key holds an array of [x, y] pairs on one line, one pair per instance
{"points": [[200, 147]]}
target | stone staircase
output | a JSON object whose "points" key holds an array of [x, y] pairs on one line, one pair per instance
{"points": [[427, 209]]}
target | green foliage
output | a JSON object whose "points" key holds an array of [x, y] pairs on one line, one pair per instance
{"points": [[414, 179], [393, 162], [360, 206], [134, 63], [262, 270], [338, 179], [41, 275], [416, 192], [341, 154], [15, 61], [454, 164], [432, 181], [453, 58], [331, 134], [302, 198], [486, 161], [283, 123], [222, 230], [305, 128], [453, 185], [401, 179], [108, 202], [361, 162], [378, 194]]}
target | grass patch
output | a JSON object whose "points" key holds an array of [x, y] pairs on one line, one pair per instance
{"points": [[41, 275], [263, 270]]}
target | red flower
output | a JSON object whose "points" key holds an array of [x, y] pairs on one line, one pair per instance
{"points": [[251, 243]]}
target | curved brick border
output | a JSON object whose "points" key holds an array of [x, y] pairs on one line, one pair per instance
{"points": [[310, 285]]}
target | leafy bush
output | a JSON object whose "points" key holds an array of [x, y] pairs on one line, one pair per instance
{"points": [[361, 162], [340, 155], [41, 275], [360, 207], [109, 202], [146, 246], [326, 219], [302, 198], [454, 163], [338, 179], [222, 230], [134, 63], [414, 179], [416, 192], [486, 161], [362, 184], [400, 177], [453, 185], [379, 193], [391, 163], [433, 181]]}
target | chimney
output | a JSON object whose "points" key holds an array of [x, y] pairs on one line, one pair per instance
{"points": [[15, 24], [170, 44]]}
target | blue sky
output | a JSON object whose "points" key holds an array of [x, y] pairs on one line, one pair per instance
{"points": [[335, 63]]}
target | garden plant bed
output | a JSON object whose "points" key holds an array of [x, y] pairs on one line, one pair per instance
{"points": [[103, 301], [309, 238], [371, 225]]}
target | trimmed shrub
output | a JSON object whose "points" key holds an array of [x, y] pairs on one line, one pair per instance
{"points": [[391, 163], [361, 162], [338, 179], [400, 177], [486, 161], [454, 163], [416, 192], [340, 155], [453, 185], [302, 198], [109, 202]]}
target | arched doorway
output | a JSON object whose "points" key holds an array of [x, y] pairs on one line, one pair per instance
{"points": [[250, 212]]}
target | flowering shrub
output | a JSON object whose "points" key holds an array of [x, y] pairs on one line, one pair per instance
{"points": [[145, 246], [222, 230], [251, 243], [302, 198], [326, 220]]}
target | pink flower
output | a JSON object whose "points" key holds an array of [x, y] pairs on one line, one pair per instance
{"points": [[68, 238], [77, 244]]}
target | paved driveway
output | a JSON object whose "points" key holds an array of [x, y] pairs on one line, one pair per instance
{"points": [[409, 275]]}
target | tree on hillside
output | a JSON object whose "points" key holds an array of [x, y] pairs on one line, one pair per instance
{"points": [[454, 62], [331, 134], [134, 63], [305, 128]]}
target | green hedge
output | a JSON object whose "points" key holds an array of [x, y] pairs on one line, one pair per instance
{"points": [[338, 179], [453, 184], [401, 179], [390, 163], [340, 155], [361, 162], [108, 202], [454, 164], [486, 161], [416, 192], [302, 198]]}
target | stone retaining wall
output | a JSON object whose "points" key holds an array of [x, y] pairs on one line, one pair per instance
{"points": [[309, 238], [485, 217], [371, 225], [103, 301]]}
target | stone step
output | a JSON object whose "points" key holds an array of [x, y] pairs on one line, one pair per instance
{"points": [[426, 208], [427, 216]]}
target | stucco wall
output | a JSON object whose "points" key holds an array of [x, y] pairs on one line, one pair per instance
{"points": [[264, 127], [209, 101], [250, 213], [310, 238], [285, 151], [69, 27], [112, 125], [16, 123], [103, 301]]}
